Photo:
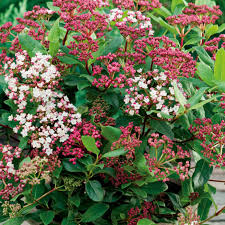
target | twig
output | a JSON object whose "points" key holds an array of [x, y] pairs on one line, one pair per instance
{"points": [[214, 215], [65, 38]]}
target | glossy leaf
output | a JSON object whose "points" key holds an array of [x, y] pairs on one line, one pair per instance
{"points": [[111, 133], [155, 187], [115, 153], [219, 70], [197, 97], [47, 217], [203, 208], [94, 212], [94, 190], [145, 222], [30, 45], [90, 145], [163, 128], [202, 173]]}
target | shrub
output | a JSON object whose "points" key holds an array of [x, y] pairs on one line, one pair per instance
{"points": [[112, 122]]}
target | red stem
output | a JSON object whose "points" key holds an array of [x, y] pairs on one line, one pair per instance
{"points": [[86, 65], [65, 38], [5, 126]]}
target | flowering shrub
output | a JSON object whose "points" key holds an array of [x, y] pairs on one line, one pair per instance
{"points": [[108, 121]]}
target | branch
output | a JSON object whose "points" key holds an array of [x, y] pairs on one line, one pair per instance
{"points": [[214, 215]]}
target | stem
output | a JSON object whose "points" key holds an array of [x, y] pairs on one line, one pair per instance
{"points": [[151, 65], [182, 42], [184, 141], [65, 38], [86, 65], [5, 126], [220, 181], [37, 200], [214, 215]]}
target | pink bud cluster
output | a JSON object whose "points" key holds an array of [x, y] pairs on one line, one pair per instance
{"points": [[144, 5], [73, 146], [213, 45], [136, 214], [38, 13], [175, 62], [132, 24], [128, 140], [5, 32], [8, 172], [33, 84], [100, 110], [194, 15], [123, 176], [79, 5], [80, 17], [117, 73], [165, 151], [212, 137], [190, 217]]}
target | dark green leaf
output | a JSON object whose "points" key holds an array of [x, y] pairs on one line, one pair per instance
{"points": [[114, 153], [155, 188], [202, 173], [197, 97], [70, 167], [23, 142], [111, 133], [162, 127], [75, 200], [204, 56], [47, 217], [203, 208], [94, 190], [30, 45], [94, 212], [57, 171], [14, 221]]}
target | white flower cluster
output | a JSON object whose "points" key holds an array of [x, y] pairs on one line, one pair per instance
{"points": [[43, 113], [151, 88], [130, 17]]}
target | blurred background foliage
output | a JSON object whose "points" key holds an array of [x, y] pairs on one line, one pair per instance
{"points": [[11, 9]]}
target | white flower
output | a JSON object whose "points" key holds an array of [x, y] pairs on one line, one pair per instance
{"points": [[48, 151], [139, 70], [131, 112], [10, 118]]}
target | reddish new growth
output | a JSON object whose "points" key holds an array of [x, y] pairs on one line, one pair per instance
{"points": [[118, 73], [80, 17], [213, 45], [99, 110], [142, 5], [212, 137], [73, 146], [128, 141], [164, 54], [194, 16], [164, 152], [136, 214], [8, 32]]}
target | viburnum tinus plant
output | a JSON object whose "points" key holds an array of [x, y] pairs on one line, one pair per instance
{"points": [[114, 112]]}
